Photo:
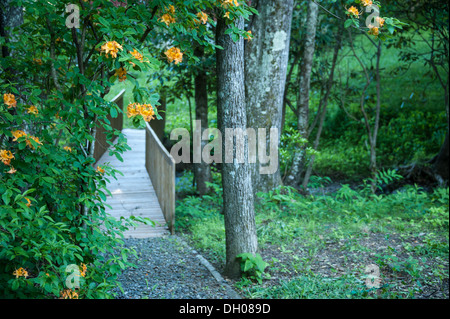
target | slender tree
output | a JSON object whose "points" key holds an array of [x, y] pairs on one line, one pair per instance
{"points": [[202, 170], [239, 215], [293, 178], [266, 59]]}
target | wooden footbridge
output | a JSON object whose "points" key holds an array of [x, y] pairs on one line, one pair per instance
{"points": [[147, 187]]}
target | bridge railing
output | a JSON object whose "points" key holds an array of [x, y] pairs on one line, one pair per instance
{"points": [[101, 141], [160, 166]]}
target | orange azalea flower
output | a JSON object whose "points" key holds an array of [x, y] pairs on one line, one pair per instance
{"points": [[138, 56], [203, 17], [249, 36], [374, 31], [171, 9], [353, 10], [227, 15], [10, 100], [83, 270], [18, 134], [20, 273], [366, 2], [68, 294], [380, 21], [6, 157], [167, 19], [36, 139], [133, 109], [67, 148], [12, 170], [100, 170], [147, 112], [174, 55], [121, 74], [227, 3], [33, 110], [37, 61], [111, 48], [28, 201]]}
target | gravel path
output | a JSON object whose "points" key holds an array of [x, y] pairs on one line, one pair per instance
{"points": [[167, 268]]}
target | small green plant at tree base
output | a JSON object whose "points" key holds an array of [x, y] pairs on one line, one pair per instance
{"points": [[252, 266]]}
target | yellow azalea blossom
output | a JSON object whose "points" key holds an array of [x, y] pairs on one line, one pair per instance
{"points": [[366, 2], [203, 17], [12, 170], [6, 157], [83, 270], [69, 294], [67, 148], [121, 74], [100, 170], [34, 138], [10, 100], [145, 110], [18, 134], [227, 3], [380, 21], [353, 10], [133, 109], [138, 56], [374, 31], [28, 201], [174, 55], [227, 15], [171, 9], [20, 273], [167, 19], [249, 36], [111, 48], [33, 110]]}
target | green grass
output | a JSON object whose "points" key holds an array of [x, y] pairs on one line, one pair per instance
{"points": [[405, 234]]}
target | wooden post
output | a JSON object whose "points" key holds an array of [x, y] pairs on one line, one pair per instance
{"points": [[160, 166]]}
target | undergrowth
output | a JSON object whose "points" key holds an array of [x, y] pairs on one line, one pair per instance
{"points": [[298, 229]]}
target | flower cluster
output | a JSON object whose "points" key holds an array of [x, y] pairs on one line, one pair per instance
{"points": [[230, 3], [174, 55], [121, 73], [145, 110], [111, 48], [353, 11], [69, 294], [203, 18], [20, 273], [10, 100], [83, 269], [373, 29], [6, 157], [33, 110], [168, 17], [18, 134]]}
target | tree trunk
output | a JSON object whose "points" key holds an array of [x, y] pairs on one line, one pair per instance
{"points": [[293, 178], [266, 59], [324, 103], [239, 214], [202, 170]]}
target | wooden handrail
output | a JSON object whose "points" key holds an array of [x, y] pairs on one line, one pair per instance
{"points": [[160, 166], [101, 142]]}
